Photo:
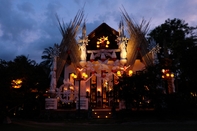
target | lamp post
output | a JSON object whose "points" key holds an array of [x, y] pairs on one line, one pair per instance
{"points": [[124, 83], [79, 77], [168, 76], [79, 106]]}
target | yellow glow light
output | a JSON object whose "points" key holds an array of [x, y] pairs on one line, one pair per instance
{"points": [[83, 74], [72, 74], [103, 41], [163, 70], [167, 74], [172, 75], [118, 73], [130, 72], [17, 83], [75, 76], [86, 76]]}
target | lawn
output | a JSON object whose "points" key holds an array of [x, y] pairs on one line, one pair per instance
{"points": [[99, 125]]}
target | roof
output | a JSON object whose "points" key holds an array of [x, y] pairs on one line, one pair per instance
{"points": [[102, 30]]}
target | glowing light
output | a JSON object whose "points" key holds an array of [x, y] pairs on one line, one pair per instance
{"points": [[83, 74], [103, 42], [72, 74], [71, 87], [167, 74], [163, 70], [172, 75], [130, 72], [65, 88], [17, 83], [75, 76], [118, 73]]}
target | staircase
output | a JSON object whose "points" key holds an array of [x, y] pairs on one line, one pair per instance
{"points": [[101, 113]]}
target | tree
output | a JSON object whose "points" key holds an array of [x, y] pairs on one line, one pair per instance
{"points": [[141, 89], [47, 57], [177, 40], [22, 68], [34, 79]]}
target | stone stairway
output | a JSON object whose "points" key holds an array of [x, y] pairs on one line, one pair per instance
{"points": [[101, 113]]}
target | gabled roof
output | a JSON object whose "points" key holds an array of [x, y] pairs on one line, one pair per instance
{"points": [[100, 31]]}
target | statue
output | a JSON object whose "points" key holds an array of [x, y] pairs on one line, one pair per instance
{"points": [[123, 50], [83, 41], [53, 81], [82, 47], [54, 53], [122, 41]]}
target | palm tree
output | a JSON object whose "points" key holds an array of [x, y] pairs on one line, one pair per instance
{"points": [[47, 57]]}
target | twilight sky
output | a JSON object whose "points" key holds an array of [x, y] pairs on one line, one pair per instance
{"points": [[29, 26]]}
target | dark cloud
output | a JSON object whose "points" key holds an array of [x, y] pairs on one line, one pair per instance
{"points": [[26, 7], [27, 27]]}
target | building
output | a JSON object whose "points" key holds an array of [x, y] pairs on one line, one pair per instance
{"points": [[92, 64]]}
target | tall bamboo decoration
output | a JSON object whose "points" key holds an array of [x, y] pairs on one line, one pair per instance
{"points": [[68, 46], [137, 43]]}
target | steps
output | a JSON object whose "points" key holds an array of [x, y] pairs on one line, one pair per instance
{"points": [[101, 113]]}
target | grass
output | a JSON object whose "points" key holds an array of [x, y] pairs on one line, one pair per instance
{"points": [[99, 125], [135, 121]]}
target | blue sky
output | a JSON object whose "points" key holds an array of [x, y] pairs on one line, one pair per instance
{"points": [[29, 26]]}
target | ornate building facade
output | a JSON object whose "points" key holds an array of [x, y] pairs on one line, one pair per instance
{"points": [[92, 65], [103, 58]]}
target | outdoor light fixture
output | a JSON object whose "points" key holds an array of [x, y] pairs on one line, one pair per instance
{"points": [[119, 73], [103, 42], [167, 74], [130, 72], [87, 92], [17, 83], [168, 78], [73, 75], [98, 91], [79, 77]]}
